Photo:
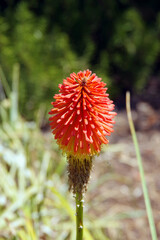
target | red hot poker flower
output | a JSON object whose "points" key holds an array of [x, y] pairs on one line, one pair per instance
{"points": [[82, 115]]}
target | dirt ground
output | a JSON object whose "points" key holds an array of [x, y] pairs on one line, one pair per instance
{"points": [[121, 191]]}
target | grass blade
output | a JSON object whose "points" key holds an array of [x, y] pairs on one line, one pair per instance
{"points": [[141, 170], [14, 93], [4, 83]]}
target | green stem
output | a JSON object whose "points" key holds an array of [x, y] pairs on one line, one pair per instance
{"points": [[141, 170], [79, 216]]}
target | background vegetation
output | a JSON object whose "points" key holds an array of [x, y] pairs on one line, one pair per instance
{"points": [[119, 40]]}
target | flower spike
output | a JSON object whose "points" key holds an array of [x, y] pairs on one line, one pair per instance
{"points": [[82, 116]]}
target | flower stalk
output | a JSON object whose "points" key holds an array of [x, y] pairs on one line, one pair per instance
{"points": [[78, 175], [79, 216]]}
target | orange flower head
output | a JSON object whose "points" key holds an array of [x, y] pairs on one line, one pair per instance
{"points": [[82, 115]]}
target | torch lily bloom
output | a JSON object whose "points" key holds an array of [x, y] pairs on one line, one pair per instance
{"points": [[82, 115]]}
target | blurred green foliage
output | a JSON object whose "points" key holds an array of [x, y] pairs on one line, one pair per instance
{"points": [[119, 40]]}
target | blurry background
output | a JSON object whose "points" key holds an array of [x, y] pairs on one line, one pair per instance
{"points": [[119, 40], [42, 42]]}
